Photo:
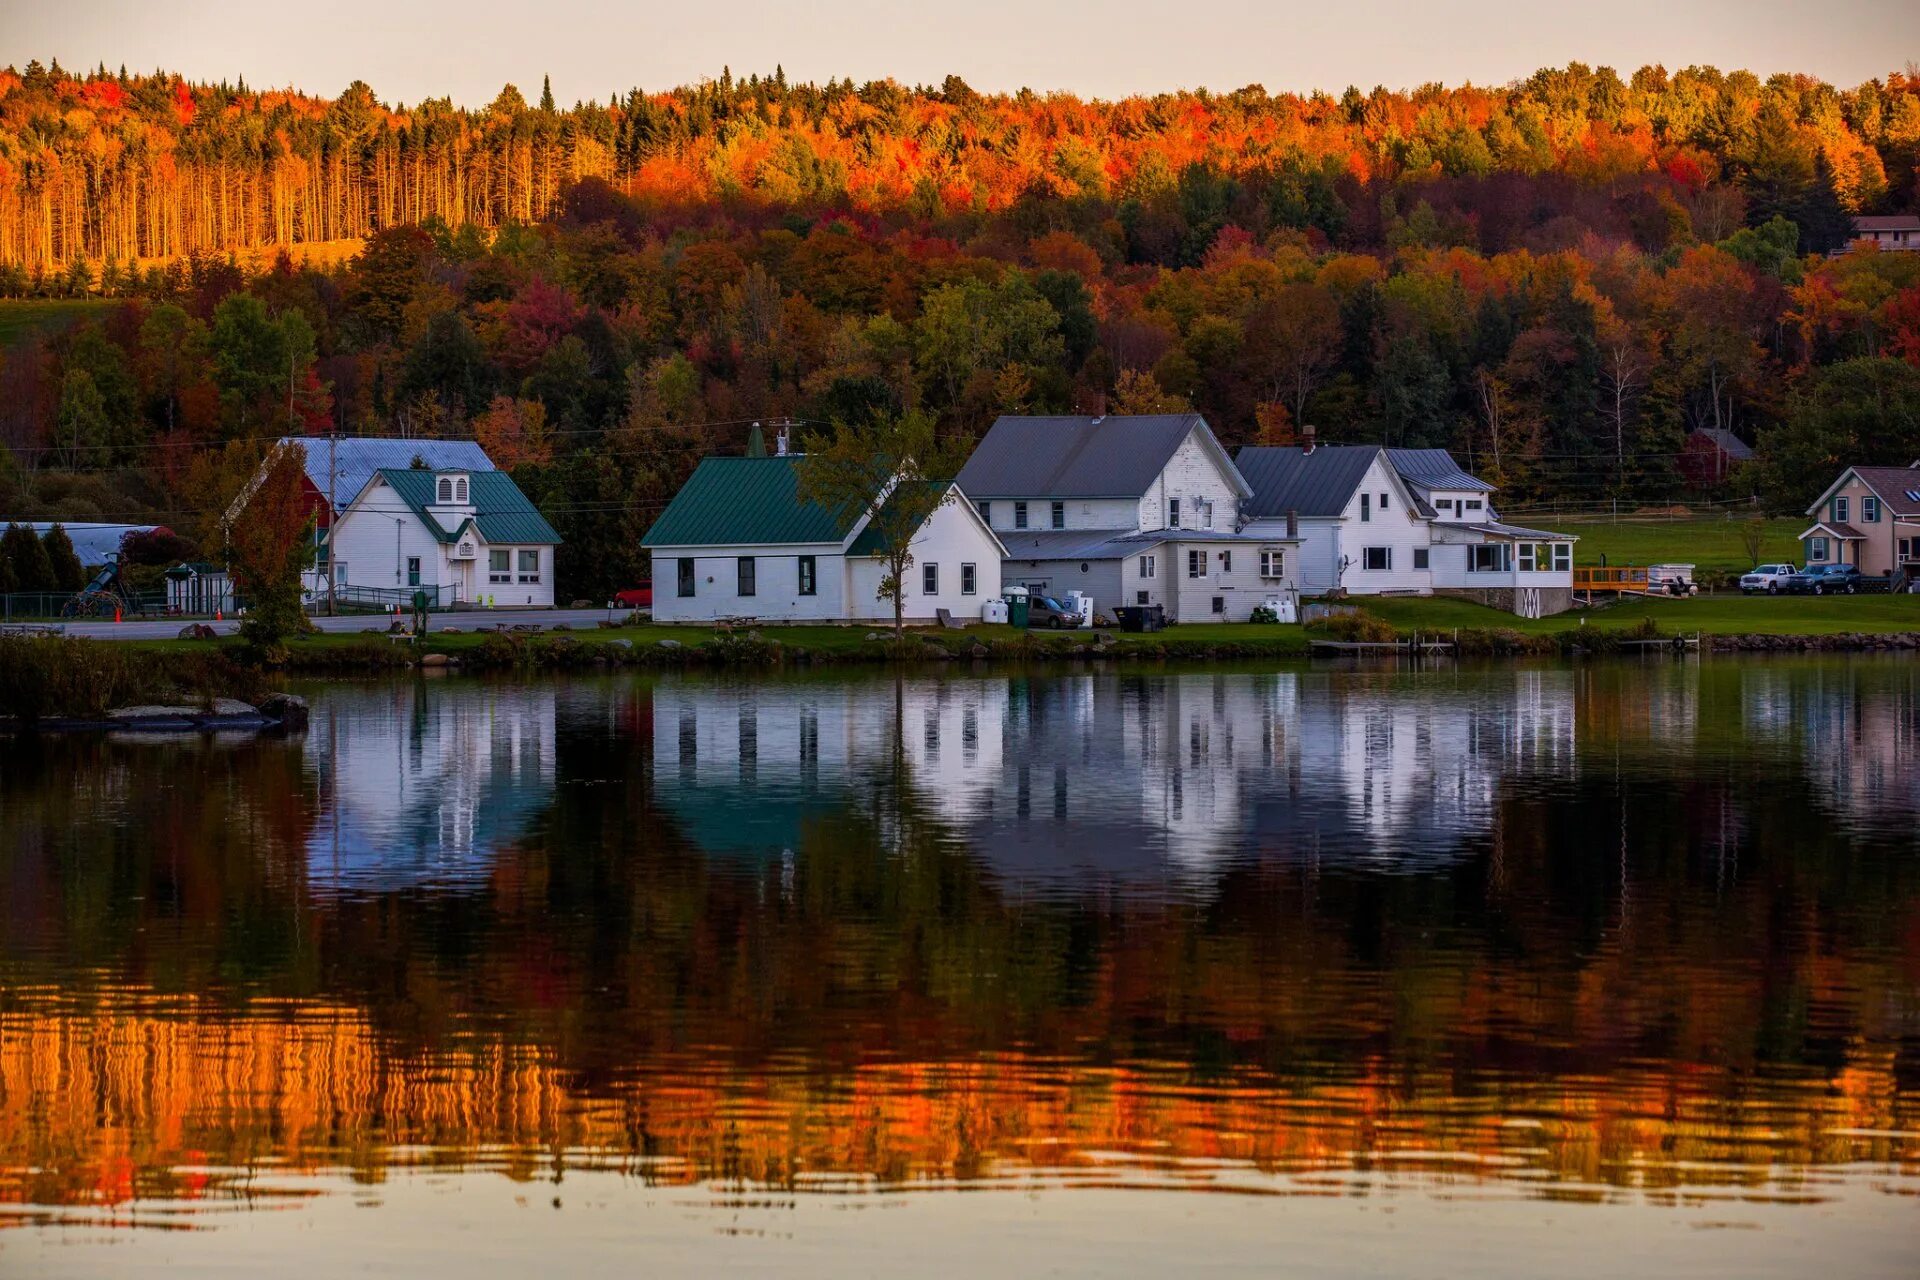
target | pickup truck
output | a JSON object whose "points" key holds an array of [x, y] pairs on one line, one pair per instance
{"points": [[1770, 578], [1832, 579]]}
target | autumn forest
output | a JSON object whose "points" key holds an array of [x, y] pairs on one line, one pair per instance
{"points": [[1558, 278]]}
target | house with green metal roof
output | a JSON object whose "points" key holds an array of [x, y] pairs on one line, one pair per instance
{"points": [[738, 541], [461, 535]]}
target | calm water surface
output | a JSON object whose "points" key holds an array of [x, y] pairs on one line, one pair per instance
{"points": [[1522, 971]]}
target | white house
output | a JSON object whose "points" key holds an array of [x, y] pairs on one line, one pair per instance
{"points": [[737, 541], [462, 536], [1130, 509], [1377, 521]]}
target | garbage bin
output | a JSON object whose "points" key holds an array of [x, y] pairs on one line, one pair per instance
{"points": [[1153, 618], [1131, 617]]}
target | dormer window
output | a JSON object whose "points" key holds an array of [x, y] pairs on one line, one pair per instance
{"points": [[460, 489], [446, 490], [450, 491]]}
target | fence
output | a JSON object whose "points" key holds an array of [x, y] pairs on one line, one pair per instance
{"points": [[381, 599], [46, 606], [1635, 513]]}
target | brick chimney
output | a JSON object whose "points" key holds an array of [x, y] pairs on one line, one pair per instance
{"points": [[1306, 437]]}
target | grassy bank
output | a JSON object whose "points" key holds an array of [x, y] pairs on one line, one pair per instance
{"points": [[1722, 615], [1713, 545], [44, 678]]}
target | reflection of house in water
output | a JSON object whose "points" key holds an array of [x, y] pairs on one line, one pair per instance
{"points": [[424, 785], [1118, 776], [1860, 731]]}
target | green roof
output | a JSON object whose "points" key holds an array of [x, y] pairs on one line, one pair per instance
{"points": [[868, 543], [740, 501], [501, 513]]}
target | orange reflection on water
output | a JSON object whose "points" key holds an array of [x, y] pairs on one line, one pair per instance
{"points": [[182, 1100]]}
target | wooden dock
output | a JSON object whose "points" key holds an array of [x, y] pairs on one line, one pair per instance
{"points": [[1418, 647]]}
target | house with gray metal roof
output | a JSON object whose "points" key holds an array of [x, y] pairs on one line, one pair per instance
{"points": [[1379, 521], [739, 541], [1128, 509], [463, 536]]}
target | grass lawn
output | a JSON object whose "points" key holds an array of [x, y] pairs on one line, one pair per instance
{"points": [[1711, 615], [20, 318], [1709, 544]]}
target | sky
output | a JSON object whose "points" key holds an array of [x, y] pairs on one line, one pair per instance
{"points": [[467, 49]]}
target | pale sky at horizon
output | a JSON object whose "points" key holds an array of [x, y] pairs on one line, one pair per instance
{"points": [[467, 49]]}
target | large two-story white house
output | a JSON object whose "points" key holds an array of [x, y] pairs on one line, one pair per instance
{"points": [[1129, 509], [738, 541], [1379, 521]]}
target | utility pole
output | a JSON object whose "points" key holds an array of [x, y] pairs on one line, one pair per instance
{"points": [[333, 512]]}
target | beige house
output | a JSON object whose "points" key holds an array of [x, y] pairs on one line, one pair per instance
{"points": [[1869, 518], [1891, 233]]}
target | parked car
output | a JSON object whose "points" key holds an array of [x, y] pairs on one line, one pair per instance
{"points": [[1045, 611], [1831, 579], [640, 597], [1766, 577]]}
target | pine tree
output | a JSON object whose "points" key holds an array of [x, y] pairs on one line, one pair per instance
{"points": [[546, 93], [68, 573]]}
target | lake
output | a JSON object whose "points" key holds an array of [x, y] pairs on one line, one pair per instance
{"points": [[1505, 971]]}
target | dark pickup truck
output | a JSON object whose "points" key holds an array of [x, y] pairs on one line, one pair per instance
{"points": [[1832, 579]]}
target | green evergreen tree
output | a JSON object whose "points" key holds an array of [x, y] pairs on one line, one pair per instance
{"points": [[68, 573]]}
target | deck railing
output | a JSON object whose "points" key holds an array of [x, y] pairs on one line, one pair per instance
{"points": [[1594, 579]]}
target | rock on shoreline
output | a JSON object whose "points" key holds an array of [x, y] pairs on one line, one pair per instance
{"points": [[282, 712]]}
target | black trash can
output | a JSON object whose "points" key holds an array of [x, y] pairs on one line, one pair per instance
{"points": [[1131, 617], [1154, 618]]}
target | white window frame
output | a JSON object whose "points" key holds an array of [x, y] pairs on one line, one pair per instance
{"points": [[746, 577], [1870, 510], [1366, 508], [1173, 513], [930, 578], [1563, 557], [1842, 509], [1817, 550], [1057, 515], [1146, 566], [1528, 554], [969, 579], [1273, 562], [503, 572], [807, 575], [525, 574], [1386, 557], [1422, 558], [1019, 515], [1196, 563], [460, 489], [443, 491]]}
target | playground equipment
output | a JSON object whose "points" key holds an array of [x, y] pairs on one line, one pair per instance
{"points": [[104, 597]]}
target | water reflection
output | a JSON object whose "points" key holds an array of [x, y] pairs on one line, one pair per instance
{"points": [[1595, 932]]}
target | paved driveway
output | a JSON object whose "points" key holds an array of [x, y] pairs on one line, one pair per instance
{"points": [[167, 628]]}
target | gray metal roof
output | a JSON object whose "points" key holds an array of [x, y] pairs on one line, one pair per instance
{"points": [[1493, 529], [1070, 456], [1316, 484], [1434, 469], [356, 458], [1113, 544], [93, 541], [1727, 442]]}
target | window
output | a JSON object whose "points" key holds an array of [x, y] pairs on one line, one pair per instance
{"points": [[339, 573], [1840, 511], [413, 571], [1488, 557], [809, 579], [1196, 564], [1909, 550], [1139, 597], [1019, 515], [1376, 559], [1273, 564], [1206, 515], [1870, 510], [1219, 604], [1562, 557], [1226, 562], [444, 493], [683, 577], [1366, 507], [499, 571], [1383, 502], [1527, 552], [1473, 504], [1816, 550], [1443, 504], [1421, 558], [929, 579], [530, 564], [1059, 515], [986, 512], [1173, 513], [744, 583], [1146, 566], [460, 489], [969, 580]]}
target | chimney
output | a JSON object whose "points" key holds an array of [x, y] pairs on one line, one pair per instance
{"points": [[1306, 437], [1293, 523], [780, 443]]}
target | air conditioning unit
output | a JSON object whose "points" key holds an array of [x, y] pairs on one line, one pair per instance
{"points": [[463, 550]]}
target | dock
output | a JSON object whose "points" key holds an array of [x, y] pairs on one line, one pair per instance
{"points": [[1417, 647]]}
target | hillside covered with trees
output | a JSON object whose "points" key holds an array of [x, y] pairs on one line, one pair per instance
{"points": [[1558, 278]]}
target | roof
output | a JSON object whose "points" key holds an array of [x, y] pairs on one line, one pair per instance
{"points": [[1494, 529], [1727, 442], [1434, 469], [1070, 456], [1314, 483], [356, 458], [1112, 544], [501, 513], [1833, 529], [1898, 488], [93, 541], [1888, 222], [745, 501]]}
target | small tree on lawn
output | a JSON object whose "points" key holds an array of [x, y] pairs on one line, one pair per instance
{"points": [[1753, 536], [270, 544], [891, 470]]}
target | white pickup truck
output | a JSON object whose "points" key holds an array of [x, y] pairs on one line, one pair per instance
{"points": [[1770, 578]]}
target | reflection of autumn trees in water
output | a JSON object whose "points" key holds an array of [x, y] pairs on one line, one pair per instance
{"points": [[172, 995]]}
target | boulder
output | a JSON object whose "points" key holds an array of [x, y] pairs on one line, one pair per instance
{"points": [[620, 644], [155, 712], [288, 709], [670, 644], [233, 707], [198, 631], [436, 660]]}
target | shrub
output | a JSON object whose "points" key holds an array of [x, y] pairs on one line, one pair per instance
{"points": [[1359, 627], [42, 677]]}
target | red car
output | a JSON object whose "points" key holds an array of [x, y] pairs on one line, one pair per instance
{"points": [[640, 597]]}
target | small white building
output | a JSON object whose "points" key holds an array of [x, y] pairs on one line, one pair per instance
{"points": [[1128, 509], [464, 537], [1378, 521], [738, 542]]}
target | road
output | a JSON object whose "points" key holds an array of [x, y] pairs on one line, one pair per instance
{"points": [[167, 628]]}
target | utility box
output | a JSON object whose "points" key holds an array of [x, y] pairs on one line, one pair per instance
{"points": [[1018, 606]]}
